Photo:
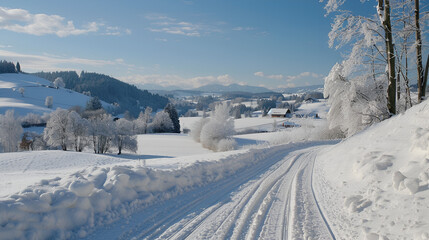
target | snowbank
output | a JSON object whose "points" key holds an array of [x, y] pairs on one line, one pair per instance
{"points": [[72, 206], [375, 184]]}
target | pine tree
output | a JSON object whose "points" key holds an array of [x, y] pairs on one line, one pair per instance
{"points": [[171, 110], [93, 104], [18, 67]]}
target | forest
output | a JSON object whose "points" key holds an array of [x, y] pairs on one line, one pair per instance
{"points": [[127, 97]]}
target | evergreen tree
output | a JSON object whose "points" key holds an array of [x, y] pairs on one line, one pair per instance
{"points": [[93, 104], [18, 67], [171, 110]]}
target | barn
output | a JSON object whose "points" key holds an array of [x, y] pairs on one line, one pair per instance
{"points": [[279, 112]]}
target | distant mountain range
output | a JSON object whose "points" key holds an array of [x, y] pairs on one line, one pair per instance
{"points": [[218, 88], [210, 88], [302, 89]]}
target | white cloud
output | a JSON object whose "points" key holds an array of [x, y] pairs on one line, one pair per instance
{"points": [[304, 75], [259, 74], [46, 62], [243, 29], [161, 39], [22, 21], [164, 24], [175, 80], [276, 77]]}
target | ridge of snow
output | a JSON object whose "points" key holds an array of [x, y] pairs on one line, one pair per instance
{"points": [[376, 182]]}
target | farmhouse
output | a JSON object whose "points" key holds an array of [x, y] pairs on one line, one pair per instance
{"points": [[279, 112]]}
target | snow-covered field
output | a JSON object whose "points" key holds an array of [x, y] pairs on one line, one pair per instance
{"points": [[277, 185]]}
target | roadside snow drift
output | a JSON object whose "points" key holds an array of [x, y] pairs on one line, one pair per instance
{"points": [[72, 206], [374, 185]]}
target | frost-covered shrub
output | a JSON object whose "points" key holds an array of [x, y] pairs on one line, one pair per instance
{"points": [[212, 133], [49, 101], [196, 129], [220, 126], [226, 145]]}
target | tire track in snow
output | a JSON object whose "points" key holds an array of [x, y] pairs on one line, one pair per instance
{"points": [[258, 202], [220, 191], [306, 220]]}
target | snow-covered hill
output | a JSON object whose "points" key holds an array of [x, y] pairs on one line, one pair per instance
{"points": [[35, 92], [375, 185]]}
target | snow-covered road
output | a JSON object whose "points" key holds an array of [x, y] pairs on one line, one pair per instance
{"points": [[273, 199]]}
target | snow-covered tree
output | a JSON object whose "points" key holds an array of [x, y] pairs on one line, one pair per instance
{"points": [[48, 101], [172, 112], [93, 104], [10, 132], [356, 102], [59, 83], [21, 91], [390, 39], [161, 123], [55, 133], [77, 130], [101, 132], [124, 136], [142, 122]]}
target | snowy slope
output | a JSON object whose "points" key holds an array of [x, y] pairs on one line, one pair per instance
{"points": [[375, 185], [35, 92]]}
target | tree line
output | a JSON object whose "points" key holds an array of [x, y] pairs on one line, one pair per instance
{"points": [[9, 67], [77, 129]]}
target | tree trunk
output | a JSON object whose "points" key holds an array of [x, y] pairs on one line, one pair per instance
{"points": [[425, 77], [390, 53], [420, 87]]}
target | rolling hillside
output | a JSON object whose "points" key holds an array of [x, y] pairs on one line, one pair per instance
{"points": [[35, 92]]}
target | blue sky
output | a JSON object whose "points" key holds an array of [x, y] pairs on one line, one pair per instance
{"points": [[185, 43]]}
